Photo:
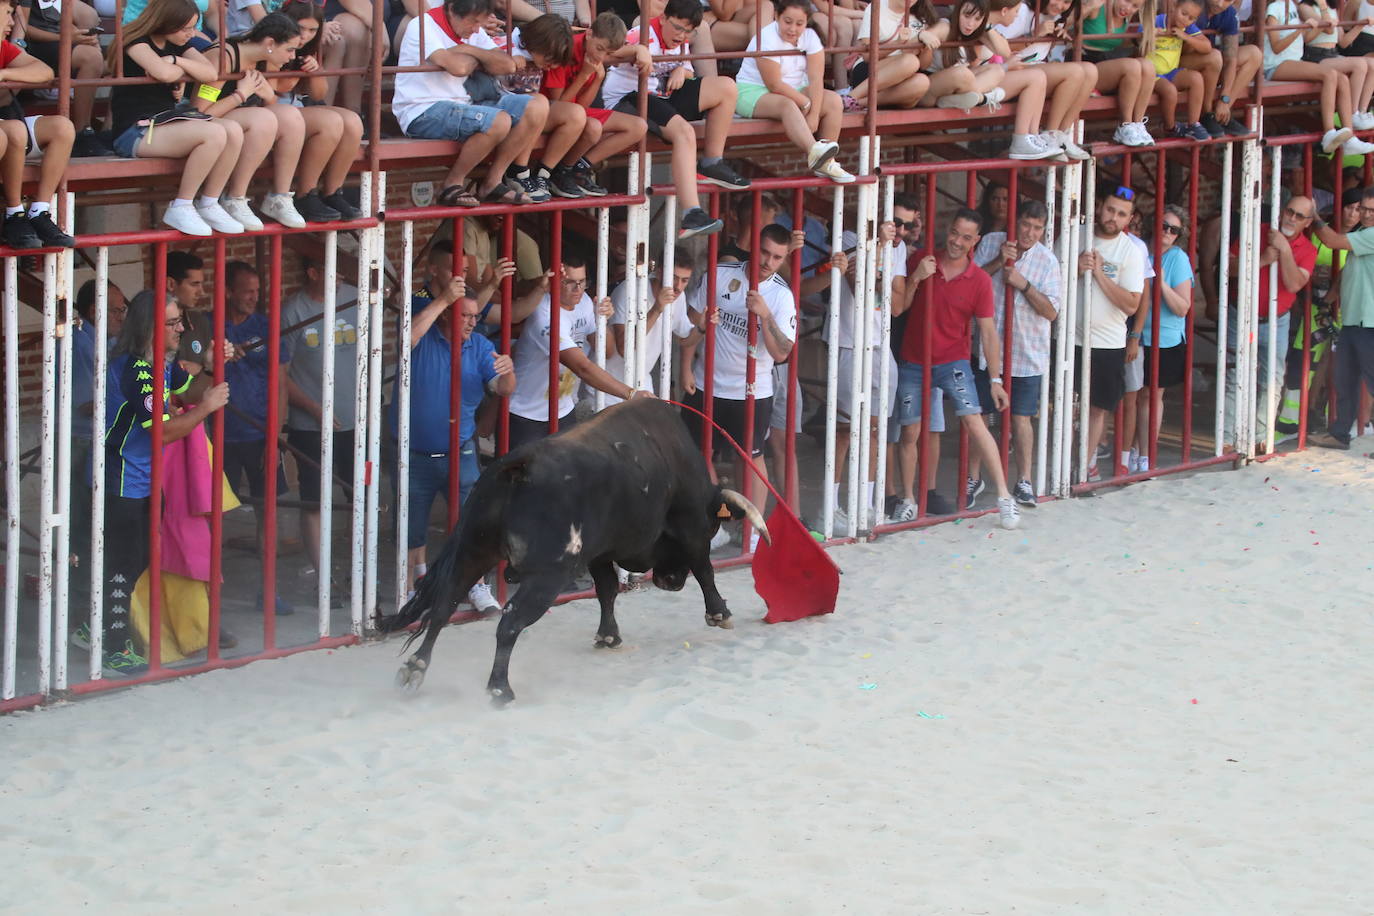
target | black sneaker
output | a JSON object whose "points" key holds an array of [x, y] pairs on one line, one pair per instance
{"points": [[695, 221], [1235, 128], [19, 232], [971, 490], [721, 175], [586, 179], [890, 505], [88, 143], [339, 202], [48, 233], [536, 186], [937, 504], [1213, 127], [314, 210], [563, 183]]}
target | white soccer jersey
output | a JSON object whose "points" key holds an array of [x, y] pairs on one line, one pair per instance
{"points": [[732, 335], [531, 358]]}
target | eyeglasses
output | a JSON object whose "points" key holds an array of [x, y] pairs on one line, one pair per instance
{"points": [[679, 29], [473, 316], [1124, 193], [569, 281], [904, 223], [1172, 229], [175, 323], [1294, 214]]}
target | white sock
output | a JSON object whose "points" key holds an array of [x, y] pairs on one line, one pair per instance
{"points": [[837, 495], [37, 207], [10, 211], [206, 201], [1126, 459], [181, 202], [868, 492], [1143, 463], [420, 569]]}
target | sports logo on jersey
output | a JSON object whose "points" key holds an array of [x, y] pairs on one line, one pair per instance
{"points": [[148, 404], [734, 285], [196, 346]]}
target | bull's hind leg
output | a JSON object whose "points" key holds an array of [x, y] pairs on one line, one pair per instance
{"points": [[607, 587], [529, 604], [717, 614], [441, 597]]}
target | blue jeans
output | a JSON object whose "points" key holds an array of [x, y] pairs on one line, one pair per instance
{"points": [[454, 121], [1268, 376], [429, 479]]}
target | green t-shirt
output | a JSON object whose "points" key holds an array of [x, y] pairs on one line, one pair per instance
{"points": [[1098, 25], [1357, 281]]}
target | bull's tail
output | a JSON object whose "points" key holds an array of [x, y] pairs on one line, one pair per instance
{"points": [[433, 598]]}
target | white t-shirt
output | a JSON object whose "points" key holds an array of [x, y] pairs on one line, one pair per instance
{"points": [[676, 316], [623, 79], [875, 314], [1021, 27], [1144, 255], [889, 21], [531, 358], [793, 65], [1124, 265], [416, 92], [1284, 12], [732, 335]]}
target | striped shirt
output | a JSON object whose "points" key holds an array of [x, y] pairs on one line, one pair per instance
{"points": [[1030, 344]]}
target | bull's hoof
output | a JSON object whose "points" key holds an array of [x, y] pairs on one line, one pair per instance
{"points": [[410, 676], [720, 620], [500, 696], [606, 642]]}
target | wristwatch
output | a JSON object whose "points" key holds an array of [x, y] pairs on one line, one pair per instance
{"points": [[996, 380], [1224, 99]]}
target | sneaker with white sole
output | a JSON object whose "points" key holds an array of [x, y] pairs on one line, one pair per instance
{"points": [[184, 218], [905, 511], [1029, 146], [238, 209], [720, 539], [971, 490], [1357, 147], [1071, 149], [1008, 516], [1142, 132], [840, 520], [821, 152], [217, 219], [1125, 134], [834, 172], [964, 100], [1362, 120], [994, 98], [482, 599], [282, 208], [1335, 137], [1024, 494]]}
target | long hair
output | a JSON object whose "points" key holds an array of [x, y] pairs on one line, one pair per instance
{"points": [[159, 17], [277, 26], [1148, 10], [299, 11], [985, 202], [951, 55], [921, 11], [136, 334]]}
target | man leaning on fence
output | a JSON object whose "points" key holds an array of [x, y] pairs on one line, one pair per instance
{"points": [[1355, 344]]}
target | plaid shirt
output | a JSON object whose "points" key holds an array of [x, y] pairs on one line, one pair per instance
{"points": [[1030, 345]]}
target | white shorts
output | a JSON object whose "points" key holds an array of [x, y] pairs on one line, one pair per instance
{"points": [[844, 395], [35, 151], [1135, 372], [778, 420]]}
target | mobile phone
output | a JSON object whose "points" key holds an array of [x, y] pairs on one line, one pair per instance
{"points": [[95, 31]]}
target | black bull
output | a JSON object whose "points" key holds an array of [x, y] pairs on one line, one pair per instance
{"points": [[626, 487]]}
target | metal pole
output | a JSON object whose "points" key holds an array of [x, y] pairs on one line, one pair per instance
{"points": [[862, 268], [363, 430], [64, 453], [97, 561], [832, 369], [633, 235], [216, 460], [327, 329], [1223, 288], [376, 342], [667, 317], [47, 458], [883, 347], [270, 453], [401, 395], [640, 254], [12, 571], [1272, 378], [863, 400], [1085, 350]]}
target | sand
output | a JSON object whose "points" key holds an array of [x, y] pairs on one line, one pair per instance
{"points": [[1151, 701]]}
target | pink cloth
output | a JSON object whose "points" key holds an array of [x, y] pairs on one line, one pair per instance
{"points": [[186, 491]]}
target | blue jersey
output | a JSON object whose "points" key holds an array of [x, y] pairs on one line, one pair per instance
{"points": [[129, 417], [247, 378]]}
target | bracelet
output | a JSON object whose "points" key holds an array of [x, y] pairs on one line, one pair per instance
{"points": [[1135, 335], [996, 380]]}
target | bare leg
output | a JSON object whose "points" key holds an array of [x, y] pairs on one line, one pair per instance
{"points": [[782, 109], [982, 440], [684, 161], [259, 133], [477, 148], [56, 135], [619, 133], [519, 142], [718, 95]]}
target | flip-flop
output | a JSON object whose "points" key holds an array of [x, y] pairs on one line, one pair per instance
{"points": [[458, 195], [504, 194]]}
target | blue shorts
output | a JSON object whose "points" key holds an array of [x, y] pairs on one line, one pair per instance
{"points": [[124, 144], [1170, 75], [954, 379], [1024, 391], [428, 480], [452, 121]]}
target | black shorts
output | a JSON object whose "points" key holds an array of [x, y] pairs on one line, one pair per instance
{"points": [[307, 444], [1362, 45], [1173, 364], [46, 51], [1117, 53], [1108, 376], [685, 103], [245, 459], [858, 73], [729, 415], [1316, 55]]}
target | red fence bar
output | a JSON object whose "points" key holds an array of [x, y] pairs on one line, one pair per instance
{"points": [[1151, 444], [455, 375], [750, 368], [555, 313], [1193, 229], [270, 457], [791, 487], [217, 463], [158, 361]]}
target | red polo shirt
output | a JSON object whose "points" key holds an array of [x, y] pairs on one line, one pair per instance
{"points": [[956, 303], [1305, 254]]}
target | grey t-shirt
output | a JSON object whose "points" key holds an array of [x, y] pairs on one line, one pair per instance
{"points": [[307, 355]]}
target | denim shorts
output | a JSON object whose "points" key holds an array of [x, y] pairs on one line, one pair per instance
{"points": [[124, 144], [954, 379], [453, 121], [1024, 391]]}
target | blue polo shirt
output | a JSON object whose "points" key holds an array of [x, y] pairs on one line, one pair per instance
{"points": [[1224, 23], [247, 378], [430, 361], [129, 415]]}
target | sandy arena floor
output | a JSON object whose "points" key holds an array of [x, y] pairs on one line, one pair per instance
{"points": [[1153, 701]]}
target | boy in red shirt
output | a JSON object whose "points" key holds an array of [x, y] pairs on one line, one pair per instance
{"points": [[961, 293]]}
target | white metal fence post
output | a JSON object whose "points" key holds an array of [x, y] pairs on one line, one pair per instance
{"points": [[12, 530], [324, 574]]}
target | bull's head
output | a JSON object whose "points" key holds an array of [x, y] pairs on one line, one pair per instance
{"points": [[732, 505]]}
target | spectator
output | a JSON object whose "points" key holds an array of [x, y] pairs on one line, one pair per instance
{"points": [[157, 45], [994, 206], [353, 49], [1118, 69], [734, 22], [1320, 46], [245, 424], [529, 406], [440, 106], [1030, 268], [960, 293], [1176, 31], [791, 89], [483, 371], [1134, 357], [485, 266], [900, 80], [186, 283], [1355, 344], [40, 23], [1175, 301], [608, 133], [773, 307], [1239, 64], [1116, 277], [128, 460], [304, 382], [50, 136], [83, 397], [1283, 61], [199, 38], [1296, 257], [1068, 83], [676, 97], [668, 305]]}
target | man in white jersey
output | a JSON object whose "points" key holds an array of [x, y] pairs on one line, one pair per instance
{"points": [[529, 406], [773, 307], [669, 306]]}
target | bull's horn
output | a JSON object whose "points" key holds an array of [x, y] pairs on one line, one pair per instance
{"points": [[750, 511]]}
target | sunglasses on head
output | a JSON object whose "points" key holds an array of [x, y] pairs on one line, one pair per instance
{"points": [[1124, 193]]}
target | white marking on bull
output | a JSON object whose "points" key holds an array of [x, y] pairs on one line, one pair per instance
{"points": [[574, 541]]}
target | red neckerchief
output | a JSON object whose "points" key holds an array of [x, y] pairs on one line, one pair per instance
{"points": [[440, 18], [657, 25]]}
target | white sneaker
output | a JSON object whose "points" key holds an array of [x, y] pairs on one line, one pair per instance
{"points": [[1356, 147], [1335, 137], [821, 152], [841, 522], [217, 219], [482, 599], [1362, 120], [1029, 146], [753, 542], [994, 98], [184, 218], [964, 100], [1008, 516], [905, 511], [720, 539], [281, 208], [1071, 149], [834, 172], [1126, 134], [238, 209]]}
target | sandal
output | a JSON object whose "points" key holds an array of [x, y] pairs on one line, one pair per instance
{"points": [[458, 195], [504, 193]]}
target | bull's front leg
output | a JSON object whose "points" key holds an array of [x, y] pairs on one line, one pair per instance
{"points": [[607, 587], [531, 601], [717, 614]]}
